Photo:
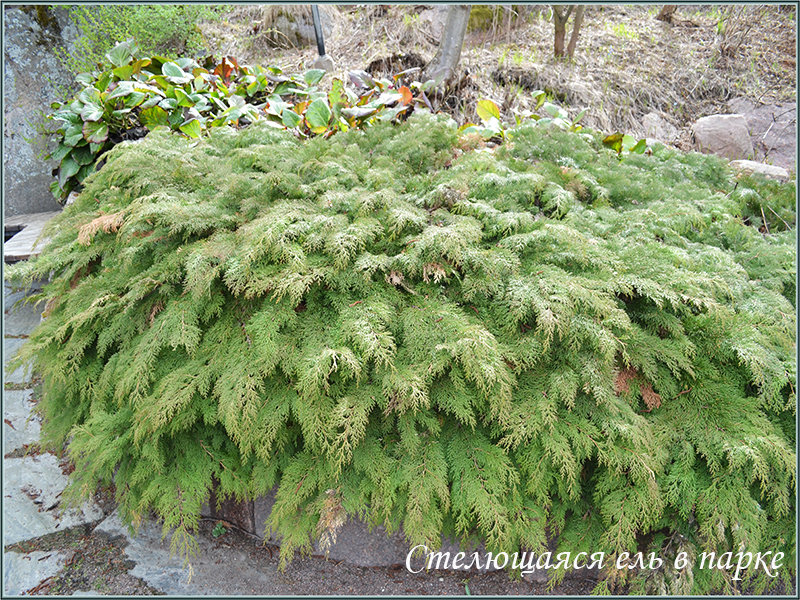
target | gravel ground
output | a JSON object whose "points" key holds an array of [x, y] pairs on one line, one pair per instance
{"points": [[95, 564], [100, 564]]}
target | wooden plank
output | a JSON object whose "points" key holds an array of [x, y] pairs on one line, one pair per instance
{"points": [[23, 245]]}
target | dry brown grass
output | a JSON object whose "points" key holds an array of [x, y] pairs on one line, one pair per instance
{"points": [[627, 63]]}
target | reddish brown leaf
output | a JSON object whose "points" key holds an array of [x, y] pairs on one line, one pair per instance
{"points": [[407, 96], [300, 107]]}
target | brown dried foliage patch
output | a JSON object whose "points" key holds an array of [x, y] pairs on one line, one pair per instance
{"points": [[433, 271], [622, 382], [109, 223], [651, 398]]}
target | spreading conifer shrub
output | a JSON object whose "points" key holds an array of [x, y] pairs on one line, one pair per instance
{"points": [[537, 341]]}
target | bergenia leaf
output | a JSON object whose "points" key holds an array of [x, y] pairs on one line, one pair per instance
{"points": [[153, 117], [68, 168], [487, 109], [95, 131], [120, 54], [313, 76], [192, 128], [92, 112], [318, 114], [290, 118]]}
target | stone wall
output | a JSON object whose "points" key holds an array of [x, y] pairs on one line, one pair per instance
{"points": [[32, 79]]}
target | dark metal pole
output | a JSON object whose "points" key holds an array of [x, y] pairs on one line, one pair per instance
{"points": [[318, 30]]}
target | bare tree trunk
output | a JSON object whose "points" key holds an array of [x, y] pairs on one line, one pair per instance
{"points": [[560, 16], [444, 64], [576, 30], [667, 12]]}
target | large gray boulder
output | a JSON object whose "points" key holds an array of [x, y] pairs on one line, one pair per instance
{"points": [[359, 544], [432, 20], [33, 78], [773, 129], [355, 542], [292, 25], [723, 135]]}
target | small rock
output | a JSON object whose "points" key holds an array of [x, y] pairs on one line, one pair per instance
{"points": [[655, 126], [724, 135], [537, 576], [324, 62], [748, 167], [21, 572]]}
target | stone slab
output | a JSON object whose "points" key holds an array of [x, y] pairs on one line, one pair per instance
{"points": [[11, 293], [21, 318], [216, 570], [10, 348], [20, 425], [32, 488], [18, 321], [28, 242], [22, 572]]}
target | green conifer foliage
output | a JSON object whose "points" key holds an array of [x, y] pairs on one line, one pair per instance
{"points": [[503, 345]]}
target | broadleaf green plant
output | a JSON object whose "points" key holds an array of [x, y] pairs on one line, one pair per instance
{"points": [[493, 126], [136, 94], [624, 144]]}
